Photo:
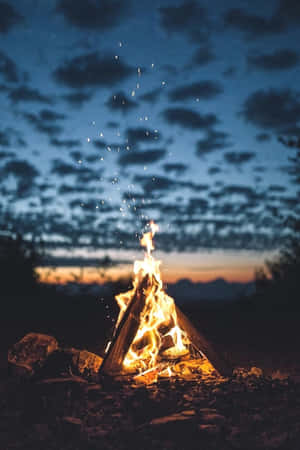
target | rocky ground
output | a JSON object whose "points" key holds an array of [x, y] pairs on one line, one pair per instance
{"points": [[72, 413], [52, 399]]}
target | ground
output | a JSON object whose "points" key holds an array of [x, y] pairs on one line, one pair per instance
{"points": [[250, 412]]}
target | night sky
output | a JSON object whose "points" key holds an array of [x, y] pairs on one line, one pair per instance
{"points": [[117, 112]]}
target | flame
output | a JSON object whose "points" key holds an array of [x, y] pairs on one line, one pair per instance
{"points": [[159, 342]]}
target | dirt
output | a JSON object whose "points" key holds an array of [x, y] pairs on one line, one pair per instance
{"points": [[244, 412]]}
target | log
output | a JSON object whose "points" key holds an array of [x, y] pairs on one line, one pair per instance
{"points": [[202, 345], [126, 331]]}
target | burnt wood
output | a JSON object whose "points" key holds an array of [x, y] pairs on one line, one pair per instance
{"points": [[203, 345], [126, 331], [128, 327]]}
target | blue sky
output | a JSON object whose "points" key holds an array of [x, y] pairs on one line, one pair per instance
{"points": [[115, 113]]}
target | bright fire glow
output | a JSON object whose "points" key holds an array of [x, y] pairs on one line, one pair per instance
{"points": [[159, 343]]}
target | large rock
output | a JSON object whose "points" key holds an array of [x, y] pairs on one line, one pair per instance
{"points": [[30, 353], [70, 361]]}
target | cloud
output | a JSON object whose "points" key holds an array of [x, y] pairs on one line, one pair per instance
{"points": [[203, 56], [92, 15], [8, 68], [263, 137], [253, 25], [189, 18], [214, 170], [65, 143], [66, 189], [214, 140], [238, 158], [9, 17], [276, 110], [77, 99], [44, 122], [189, 119], [177, 168], [151, 183], [229, 72], [26, 94], [141, 157], [4, 138], [5, 155], [25, 174], [89, 70], [151, 96], [277, 60], [83, 174], [204, 90], [120, 102], [141, 134], [289, 11]]}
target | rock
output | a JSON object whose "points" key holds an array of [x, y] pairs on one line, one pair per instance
{"points": [[209, 428], [86, 363], [30, 353], [71, 427], [210, 415], [171, 418], [70, 361]]}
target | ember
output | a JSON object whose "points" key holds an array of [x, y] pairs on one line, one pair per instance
{"points": [[152, 338]]}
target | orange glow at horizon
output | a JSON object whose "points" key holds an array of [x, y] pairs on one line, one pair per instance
{"points": [[63, 275]]}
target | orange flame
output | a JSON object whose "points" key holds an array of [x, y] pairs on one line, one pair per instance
{"points": [[158, 338]]}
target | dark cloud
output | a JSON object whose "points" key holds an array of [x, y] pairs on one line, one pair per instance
{"points": [[4, 138], [263, 137], [9, 17], [276, 188], [229, 72], [214, 170], [203, 90], [277, 60], [214, 140], [77, 99], [289, 11], [239, 158], [253, 25], [65, 143], [189, 18], [121, 102], [189, 119], [89, 14], [177, 168], [277, 110], [73, 261], [26, 94], [141, 134], [5, 155], [89, 70], [204, 55], [25, 174], [8, 68], [141, 157], [82, 174], [151, 96], [48, 127], [112, 124], [155, 183], [101, 145], [67, 189]]}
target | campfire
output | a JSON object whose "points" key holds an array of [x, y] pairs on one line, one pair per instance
{"points": [[152, 338]]}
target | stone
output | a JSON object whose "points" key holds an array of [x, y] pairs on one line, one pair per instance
{"points": [[86, 363], [30, 353]]}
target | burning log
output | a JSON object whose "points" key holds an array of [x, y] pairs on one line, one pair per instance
{"points": [[125, 332], [152, 335]]}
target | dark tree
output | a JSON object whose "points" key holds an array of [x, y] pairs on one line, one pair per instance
{"points": [[279, 281], [18, 261]]}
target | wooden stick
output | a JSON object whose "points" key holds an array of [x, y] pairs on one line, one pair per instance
{"points": [[202, 344]]}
